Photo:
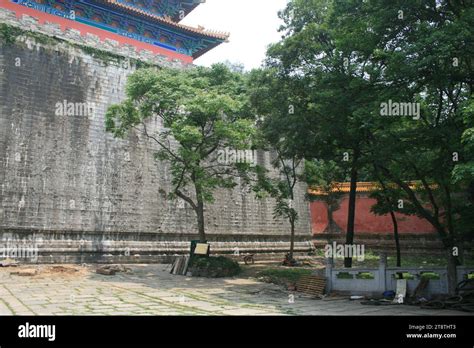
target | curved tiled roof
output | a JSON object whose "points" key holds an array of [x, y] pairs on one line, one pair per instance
{"points": [[168, 21]]}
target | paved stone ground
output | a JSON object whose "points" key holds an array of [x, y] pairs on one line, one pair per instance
{"points": [[151, 290]]}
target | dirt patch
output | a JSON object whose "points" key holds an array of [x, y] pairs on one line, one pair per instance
{"points": [[47, 271], [25, 272], [63, 271]]}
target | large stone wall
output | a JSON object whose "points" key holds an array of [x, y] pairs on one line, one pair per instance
{"points": [[80, 195]]}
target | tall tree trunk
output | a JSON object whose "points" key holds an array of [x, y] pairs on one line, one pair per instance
{"points": [[397, 239], [394, 221], [330, 228], [200, 214], [470, 190], [452, 242], [452, 262], [452, 271], [292, 238], [200, 218], [352, 207]]}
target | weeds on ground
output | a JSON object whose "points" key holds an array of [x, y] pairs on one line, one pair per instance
{"points": [[284, 275]]}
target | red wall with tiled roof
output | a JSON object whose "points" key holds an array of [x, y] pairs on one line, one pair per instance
{"points": [[366, 222], [85, 29]]}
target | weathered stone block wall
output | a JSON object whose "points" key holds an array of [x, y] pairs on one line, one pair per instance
{"points": [[79, 194]]}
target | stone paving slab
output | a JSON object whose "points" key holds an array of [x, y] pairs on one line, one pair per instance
{"points": [[151, 290]]}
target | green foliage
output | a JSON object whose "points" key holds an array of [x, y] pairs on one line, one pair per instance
{"points": [[350, 57], [9, 33], [104, 56], [334, 103], [214, 267], [463, 174], [418, 54], [270, 98], [324, 175], [202, 111], [409, 276], [430, 275], [344, 275], [365, 275]]}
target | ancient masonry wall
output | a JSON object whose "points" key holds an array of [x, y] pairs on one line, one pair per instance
{"points": [[79, 195]]}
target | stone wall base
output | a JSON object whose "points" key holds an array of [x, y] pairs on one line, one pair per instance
{"points": [[409, 243], [135, 247]]}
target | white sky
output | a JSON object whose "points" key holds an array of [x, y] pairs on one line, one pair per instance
{"points": [[253, 25]]}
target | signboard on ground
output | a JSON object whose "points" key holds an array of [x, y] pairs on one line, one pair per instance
{"points": [[201, 249]]}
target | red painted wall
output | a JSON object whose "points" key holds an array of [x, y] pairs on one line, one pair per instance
{"points": [[84, 29], [366, 221]]}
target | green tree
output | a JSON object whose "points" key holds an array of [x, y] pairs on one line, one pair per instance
{"points": [[271, 100], [205, 117], [334, 106], [283, 190], [388, 202], [353, 56], [463, 175], [425, 52]]}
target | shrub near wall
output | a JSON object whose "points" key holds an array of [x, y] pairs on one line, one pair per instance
{"points": [[214, 267]]}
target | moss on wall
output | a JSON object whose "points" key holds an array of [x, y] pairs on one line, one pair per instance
{"points": [[9, 35]]}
